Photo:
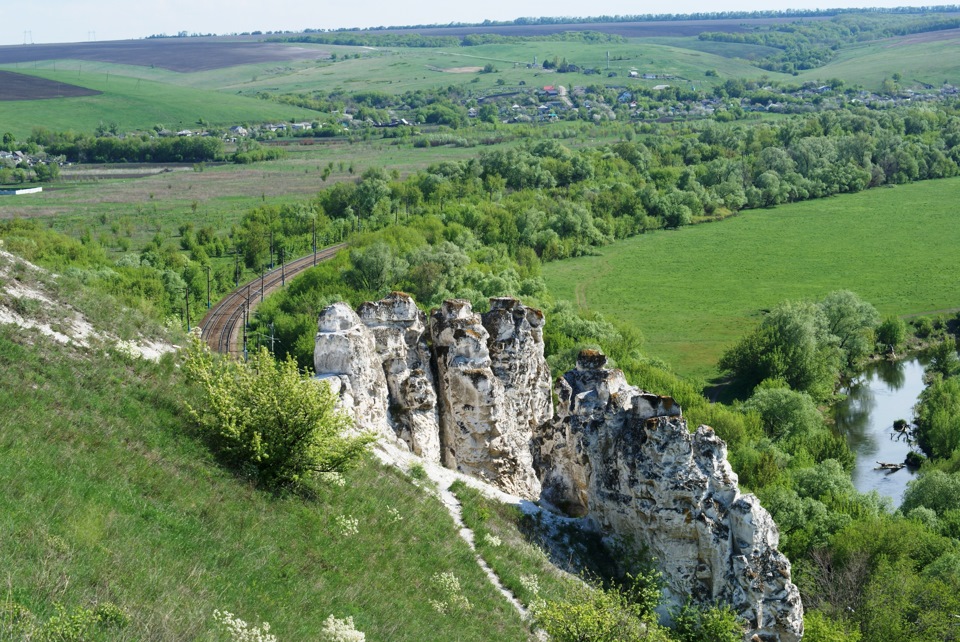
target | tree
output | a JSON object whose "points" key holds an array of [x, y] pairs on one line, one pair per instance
{"points": [[938, 417], [933, 489], [374, 268], [891, 333], [791, 343], [851, 320], [785, 413], [268, 417]]}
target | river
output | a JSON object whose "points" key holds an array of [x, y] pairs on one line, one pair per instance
{"points": [[885, 392]]}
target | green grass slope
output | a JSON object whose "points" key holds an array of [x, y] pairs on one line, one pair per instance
{"points": [[928, 58], [133, 103], [106, 498], [693, 292], [399, 70]]}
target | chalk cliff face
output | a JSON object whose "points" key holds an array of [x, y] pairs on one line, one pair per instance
{"points": [[345, 355], [625, 458], [473, 391], [400, 335], [492, 395]]}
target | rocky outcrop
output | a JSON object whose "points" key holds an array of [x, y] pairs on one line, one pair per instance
{"points": [[487, 431], [471, 397], [400, 335], [345, 355], [625, 458], [473, 391]]}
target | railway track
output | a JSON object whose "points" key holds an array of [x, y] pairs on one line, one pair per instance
{"points": [[221, 326]]}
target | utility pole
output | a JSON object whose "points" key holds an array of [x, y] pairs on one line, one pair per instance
{"points": [[273, 338], [314, 240], [271, 248], [262, 271], [208, 286], [283, 274]]}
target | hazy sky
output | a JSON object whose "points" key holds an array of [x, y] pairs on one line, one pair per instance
{"points": [[83, 20]]}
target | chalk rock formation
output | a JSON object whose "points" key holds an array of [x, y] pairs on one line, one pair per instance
{"points": [[345, 355], [487, 432], [625, 458], [474, 392], [400, 333]]}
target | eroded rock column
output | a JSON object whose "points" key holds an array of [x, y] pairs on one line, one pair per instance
{"points": [[400, 334], [345, 356], [481, 434]]}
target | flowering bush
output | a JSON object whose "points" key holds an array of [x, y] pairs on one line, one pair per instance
{"points": [[337, 630], [448, 585], [348, 526], [240, 631], [268, 416], [492, 540]]}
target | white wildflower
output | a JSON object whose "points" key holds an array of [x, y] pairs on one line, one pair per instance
{"points": [[449, 585], [240, 631], [347, 525], [334, 479], [337, 630], [492, 540], [530, 583], [395, 515]]}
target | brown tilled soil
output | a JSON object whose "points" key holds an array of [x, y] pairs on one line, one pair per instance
{"points": [[930, 36], [19, 87], [176, 54]]}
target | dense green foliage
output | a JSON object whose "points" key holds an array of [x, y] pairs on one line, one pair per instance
{"points": [[80, 148], [807, 345], [268, 417], [371, 38], [814, 43], [938, 418]]}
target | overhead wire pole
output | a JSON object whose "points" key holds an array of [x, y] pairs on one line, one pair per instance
{"points": [[208, 285]]}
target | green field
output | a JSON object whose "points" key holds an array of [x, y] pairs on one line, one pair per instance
{"points": [[928, 58], [693, 292], [133, 103]]}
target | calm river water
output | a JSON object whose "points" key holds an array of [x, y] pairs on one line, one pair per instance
{"points": [[884, 393]]}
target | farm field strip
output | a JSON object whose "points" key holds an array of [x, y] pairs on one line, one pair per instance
{"points": [[694, 292]]}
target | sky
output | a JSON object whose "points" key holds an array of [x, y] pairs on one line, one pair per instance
{"points": [[45, 21]]}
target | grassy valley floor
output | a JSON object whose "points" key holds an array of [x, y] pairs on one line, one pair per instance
{"points": [[694, 291]]}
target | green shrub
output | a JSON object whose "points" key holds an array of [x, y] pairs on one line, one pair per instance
{"points": [[589, 614], [268, 417], [716, 623]]}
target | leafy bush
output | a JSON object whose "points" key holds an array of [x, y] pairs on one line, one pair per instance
{"points": [[594, 614], [707, 624], [269, 417]]}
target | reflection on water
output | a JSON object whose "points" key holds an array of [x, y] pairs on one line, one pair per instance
{"points": [[884, 393]]}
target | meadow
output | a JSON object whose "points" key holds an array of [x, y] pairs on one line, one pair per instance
{"points": [[141, 96], [113, 500], [695, 291], [132, 103]]}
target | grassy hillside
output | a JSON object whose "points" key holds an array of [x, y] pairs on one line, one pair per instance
{"points": [[693, 292], [928, 58], [107, 498], [133, 103]]}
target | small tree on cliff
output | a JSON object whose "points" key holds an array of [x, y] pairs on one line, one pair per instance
{"points": [[268, 417]]}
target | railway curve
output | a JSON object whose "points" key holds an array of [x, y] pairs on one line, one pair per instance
{"points": [[221, 326]]}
